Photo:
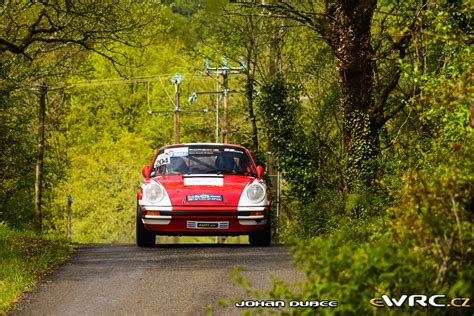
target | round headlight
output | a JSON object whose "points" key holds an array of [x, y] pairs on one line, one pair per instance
{"points": [[153, 193], [255, 193]]}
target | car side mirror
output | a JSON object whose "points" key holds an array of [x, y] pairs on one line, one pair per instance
{"points": [[146, 171], [259, 172]]}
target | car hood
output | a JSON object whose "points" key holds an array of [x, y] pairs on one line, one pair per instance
{"points": [[204, 190]]}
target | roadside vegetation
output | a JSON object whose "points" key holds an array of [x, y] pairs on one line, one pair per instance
{"points": [[24, 258], [372, 134]]}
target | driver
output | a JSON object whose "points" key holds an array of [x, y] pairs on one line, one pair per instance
{"points": [[226, 163], [177, 166]]}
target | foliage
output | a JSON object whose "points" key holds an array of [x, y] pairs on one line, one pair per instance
{"points": [[46, 42], [354, 265], [280, 107], [16, 163], [23, 259], [102, 189], [32, 29]]}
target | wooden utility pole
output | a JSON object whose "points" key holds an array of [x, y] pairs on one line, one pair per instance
{"points": [[224, 70], [471, 117], [225, 97], [176, 80], [40, 158], [69, 216]]}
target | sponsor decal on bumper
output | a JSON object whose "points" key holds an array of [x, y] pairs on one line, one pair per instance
{"points": [[204, 197], [207, 225]]}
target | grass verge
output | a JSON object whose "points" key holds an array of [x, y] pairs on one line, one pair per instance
{"points": [[24, 258]]}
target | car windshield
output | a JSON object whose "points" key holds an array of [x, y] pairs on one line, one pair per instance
{"points": [[203, 159]]}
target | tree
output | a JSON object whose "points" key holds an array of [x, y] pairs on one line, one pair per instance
{"points": [[33, 28], [41, 40], [346, 26]]}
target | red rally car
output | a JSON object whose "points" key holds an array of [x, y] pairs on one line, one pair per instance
{"points": [[203, 189]]}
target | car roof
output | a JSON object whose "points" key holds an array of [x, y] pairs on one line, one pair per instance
{"points": [[204, 144]]}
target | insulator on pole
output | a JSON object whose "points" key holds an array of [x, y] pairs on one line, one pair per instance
{"points": [[177, 78], [192, 98]]}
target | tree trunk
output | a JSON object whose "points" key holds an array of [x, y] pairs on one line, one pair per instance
{"points": [[40, 158], [350, 41], [251, 58], [253, 119], [274, 70]]}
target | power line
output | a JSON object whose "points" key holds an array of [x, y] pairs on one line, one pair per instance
{"points": [[117, 81], [176, 81], [113, 81], [224, 70]]}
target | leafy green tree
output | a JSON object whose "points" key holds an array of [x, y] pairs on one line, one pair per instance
{"points": [[346, 26], [43, 41]]}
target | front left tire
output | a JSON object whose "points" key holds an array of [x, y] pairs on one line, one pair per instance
{"points": [[263, 238], [145, 238]]}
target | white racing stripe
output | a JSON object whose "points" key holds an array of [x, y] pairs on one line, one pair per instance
{"points": [[200, 180]]}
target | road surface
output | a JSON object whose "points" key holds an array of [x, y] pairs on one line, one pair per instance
{"points": [[165, 280]]}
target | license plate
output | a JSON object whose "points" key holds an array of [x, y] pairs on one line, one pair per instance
{"points": [[207, 225]]}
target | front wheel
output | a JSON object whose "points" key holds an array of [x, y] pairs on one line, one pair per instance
{"points": [[263, 238], [144, 237]]}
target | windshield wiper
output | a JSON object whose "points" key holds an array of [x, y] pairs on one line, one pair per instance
{"points": [[224, 171], [245, 173], [248, 173]]}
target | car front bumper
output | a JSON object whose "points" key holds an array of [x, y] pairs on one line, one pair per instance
{"points": [[203, 222]]}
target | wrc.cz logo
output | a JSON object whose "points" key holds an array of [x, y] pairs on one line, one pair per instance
{"points": [[420, 300]]}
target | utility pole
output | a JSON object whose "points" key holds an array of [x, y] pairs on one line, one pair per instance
{"points": [[69, 216], [40, 158], [176, 80], [225, 97], [224, 70]]}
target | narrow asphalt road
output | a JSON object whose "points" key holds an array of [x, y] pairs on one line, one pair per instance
{"points": [[165, 280]]}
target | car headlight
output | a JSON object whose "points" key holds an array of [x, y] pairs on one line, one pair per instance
{"points": [[255, 193], [153, 193]]}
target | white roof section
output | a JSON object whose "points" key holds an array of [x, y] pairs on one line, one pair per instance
{"points": [[207, 144], [217, 144], [202, 144]]}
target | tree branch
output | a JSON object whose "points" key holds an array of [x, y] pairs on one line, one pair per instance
{"points": [[8, 46], [384, 97], [401, 46]]}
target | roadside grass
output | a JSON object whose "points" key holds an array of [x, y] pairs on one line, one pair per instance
{"points": [[24, 258]]}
